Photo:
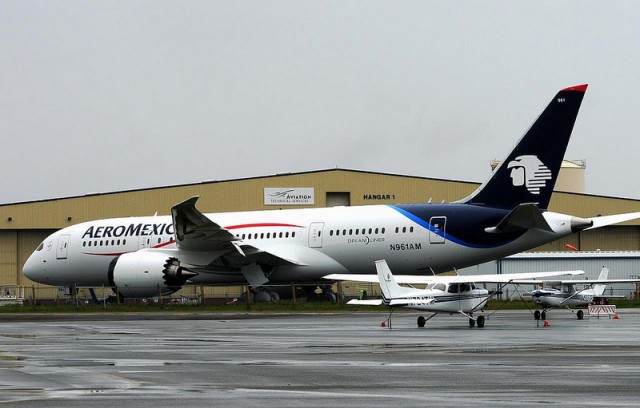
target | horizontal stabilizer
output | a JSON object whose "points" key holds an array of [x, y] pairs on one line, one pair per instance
{"points": [[613, 219], [523, 217], [365, 302]]}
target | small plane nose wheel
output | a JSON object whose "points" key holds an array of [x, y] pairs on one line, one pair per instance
{"points": [[421, 321], [543, 315], [536, 315], [480, 321], [580, 315], [472, 322]]}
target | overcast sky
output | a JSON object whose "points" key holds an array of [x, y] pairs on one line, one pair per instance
{"points": [[100, 96]]}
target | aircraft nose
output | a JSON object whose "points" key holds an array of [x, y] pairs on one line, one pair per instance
{"points": [[34, 267]]}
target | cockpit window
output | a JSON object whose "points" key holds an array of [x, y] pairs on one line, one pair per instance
{"points": [[40, 247]]}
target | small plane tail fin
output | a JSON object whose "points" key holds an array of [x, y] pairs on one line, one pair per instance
{"points": [[598, 289], [528, 174], [388, 285]]}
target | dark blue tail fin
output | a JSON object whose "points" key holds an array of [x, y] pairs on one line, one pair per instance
{"points": [[529, 172]]}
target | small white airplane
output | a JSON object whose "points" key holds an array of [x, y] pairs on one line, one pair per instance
{"points": [[443, 294], [147, 256], [563, 293]]}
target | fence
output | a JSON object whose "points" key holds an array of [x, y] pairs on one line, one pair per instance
{"points": [[195, 294]]}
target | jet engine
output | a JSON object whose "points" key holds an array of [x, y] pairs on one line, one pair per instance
{"points": [[145, 274]]}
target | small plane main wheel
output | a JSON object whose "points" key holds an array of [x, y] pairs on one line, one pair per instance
{"points": [[480, 321], [536, 315], [472, 322], [421, 321], [543, 315], [580, 315]]}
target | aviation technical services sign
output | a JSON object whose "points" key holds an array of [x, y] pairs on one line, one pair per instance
{"points": [[289, 196]]}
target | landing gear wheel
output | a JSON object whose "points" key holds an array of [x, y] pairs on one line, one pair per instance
{"points": [[580, 315], [543, 315], [480, 321], [421, 321], [536, 315], [472, 322]]}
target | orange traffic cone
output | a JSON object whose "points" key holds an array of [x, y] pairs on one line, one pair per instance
{"points": [[615, 316], [546, 323]]}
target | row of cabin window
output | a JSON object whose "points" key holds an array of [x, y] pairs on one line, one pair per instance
{"points": [[363, 231], [116, 242], [103, 243], [267, 235]]}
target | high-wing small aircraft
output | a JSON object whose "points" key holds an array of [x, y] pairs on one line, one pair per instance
{"points": [[443, 294], [563, 293], [147, 256]]}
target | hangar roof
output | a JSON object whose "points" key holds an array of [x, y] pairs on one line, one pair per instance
{"points": [[245, 194]]}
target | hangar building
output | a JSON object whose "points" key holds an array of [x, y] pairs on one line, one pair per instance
{"points": [[24, 225]]}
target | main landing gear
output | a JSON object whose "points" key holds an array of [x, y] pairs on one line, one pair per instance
{"points": [[479, 321], [472, 322], [538, 315], [542, 315]]}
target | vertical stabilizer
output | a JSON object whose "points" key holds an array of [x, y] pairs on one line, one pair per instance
{"points": [[388, 285], [598, 289], [528, 174]]}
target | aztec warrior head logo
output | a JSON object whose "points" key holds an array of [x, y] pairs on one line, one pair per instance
{"points": [[530, 172]]}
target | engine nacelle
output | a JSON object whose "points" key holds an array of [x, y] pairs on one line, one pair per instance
{"points": [[146, 274]]}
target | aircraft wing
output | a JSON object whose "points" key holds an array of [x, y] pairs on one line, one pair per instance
{"points": [[525, 277], [600, 281], [202, 242], [612, 219]]}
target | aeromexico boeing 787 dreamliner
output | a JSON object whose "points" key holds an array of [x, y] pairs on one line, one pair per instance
{"points": [[143, 256]]}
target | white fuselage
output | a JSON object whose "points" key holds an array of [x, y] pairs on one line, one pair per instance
{"points": [[550, 297], [451, 298], [317, 241]]}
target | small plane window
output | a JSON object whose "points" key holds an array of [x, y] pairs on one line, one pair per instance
{"points": [[453, 288], [440, 286], [40, 247]]}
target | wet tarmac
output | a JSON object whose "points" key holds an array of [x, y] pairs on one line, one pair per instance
{"points": [[319, 360]]}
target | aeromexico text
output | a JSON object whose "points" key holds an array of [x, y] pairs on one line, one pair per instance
{"points": [[132, 230]]}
